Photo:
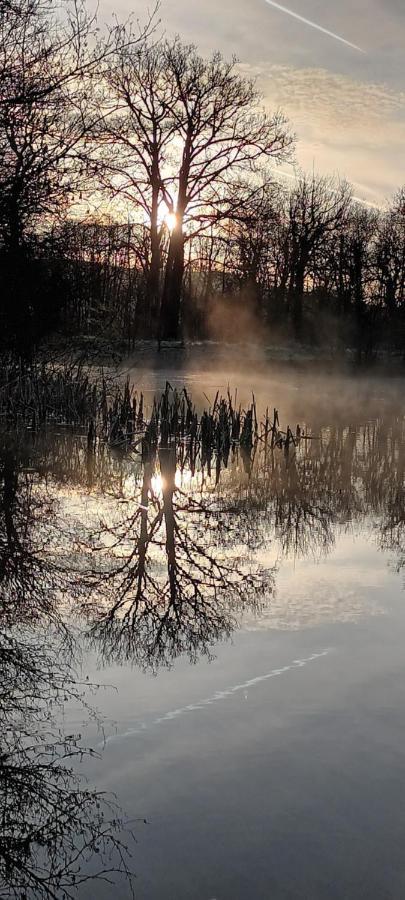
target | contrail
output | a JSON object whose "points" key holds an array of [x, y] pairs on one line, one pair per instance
{"points": [[331, 34], [215, 698]]}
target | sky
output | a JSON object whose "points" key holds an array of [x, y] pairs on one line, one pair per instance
{"points": [[343, 91]]}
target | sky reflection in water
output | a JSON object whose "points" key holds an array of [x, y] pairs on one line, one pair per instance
{"points": [[302, 552]]}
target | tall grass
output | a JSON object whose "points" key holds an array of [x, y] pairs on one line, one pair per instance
{"points": [[116, 414]]}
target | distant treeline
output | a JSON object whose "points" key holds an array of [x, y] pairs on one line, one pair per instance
{"points": [[139, 198]]}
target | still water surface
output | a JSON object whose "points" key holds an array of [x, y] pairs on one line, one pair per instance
{"points": [[255, 711]]}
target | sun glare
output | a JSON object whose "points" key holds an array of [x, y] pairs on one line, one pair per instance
{"points": [[181, 480], [170, 221], [157, 484]]}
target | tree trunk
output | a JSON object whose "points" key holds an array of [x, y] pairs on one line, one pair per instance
{"points": [[153, 280], [168, 470], [169, 327], [150, 311], [297, 301]]}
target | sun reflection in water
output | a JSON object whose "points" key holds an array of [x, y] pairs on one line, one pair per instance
{"points": [[182, 479], [156, 484]]}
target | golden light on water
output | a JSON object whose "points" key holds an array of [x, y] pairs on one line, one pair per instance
{"points": [[181, 480], [156, 484]]}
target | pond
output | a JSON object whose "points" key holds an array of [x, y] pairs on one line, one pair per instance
{"points": [[244, 613]]}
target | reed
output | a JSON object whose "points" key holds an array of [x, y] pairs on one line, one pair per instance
{"points": [[174, 421], [33, 396], [113, 412]]}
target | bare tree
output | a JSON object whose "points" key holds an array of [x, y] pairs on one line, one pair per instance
{"points": [[50, 64], [256, 238], [190, 128], [141, 127], [389, 255], [317, 208]]}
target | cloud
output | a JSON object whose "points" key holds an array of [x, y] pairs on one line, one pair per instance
{"points": [[342, 125], [346, 107]]}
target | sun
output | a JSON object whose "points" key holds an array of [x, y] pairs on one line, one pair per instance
{"points": [[165, 217], [170, 221]]}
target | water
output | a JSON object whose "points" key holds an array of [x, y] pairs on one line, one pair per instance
{"points": [[255, 708]]}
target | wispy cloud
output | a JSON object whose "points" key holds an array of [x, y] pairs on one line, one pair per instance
{"points": [[298, 173], [336, 37], [344, 126]]}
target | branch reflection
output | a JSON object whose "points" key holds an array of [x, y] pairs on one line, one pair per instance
{"points": [[56, 833], [163, 551]]}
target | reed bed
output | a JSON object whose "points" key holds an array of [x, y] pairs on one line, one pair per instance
{"points": [[175, 421], [114, 413], [33, 396]]}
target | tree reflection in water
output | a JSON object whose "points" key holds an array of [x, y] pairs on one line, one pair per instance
{"points": [[171, 575], [179, 574], [55, 832], [185, 558]]}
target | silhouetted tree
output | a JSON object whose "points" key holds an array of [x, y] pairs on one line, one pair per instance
{"points": [[317, 208], [50, 64], [190, 128]]}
